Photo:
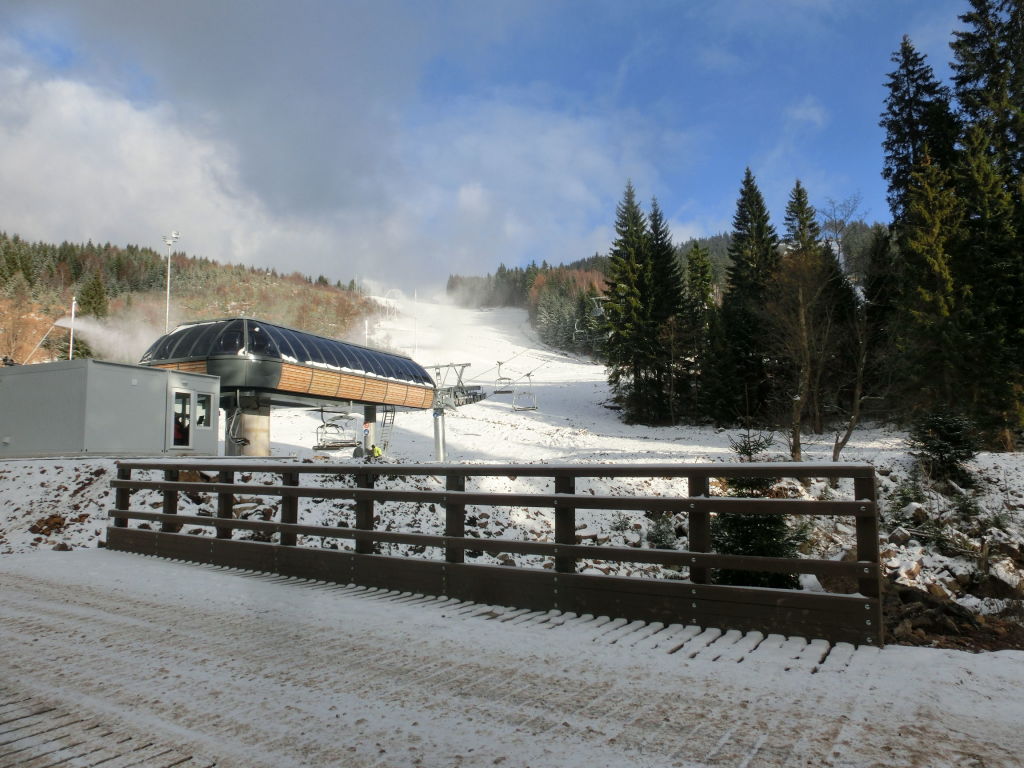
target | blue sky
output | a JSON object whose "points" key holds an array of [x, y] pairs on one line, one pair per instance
{"points": [[402, 141]]}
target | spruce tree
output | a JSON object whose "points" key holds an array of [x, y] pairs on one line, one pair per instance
{"points": [[666, 297], [632, 345], [666, 275], [991, 297], [93, 300], [754, 535], [988, 76], [753, 254], [697, 315], [931, 337], [917, 115], [809, 309]]}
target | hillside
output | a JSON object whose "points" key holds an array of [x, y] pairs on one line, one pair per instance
{"points": [[952, 573], [122, 300]]}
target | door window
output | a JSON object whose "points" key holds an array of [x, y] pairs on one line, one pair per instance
{"points": [[204, 409], [183, 419]]}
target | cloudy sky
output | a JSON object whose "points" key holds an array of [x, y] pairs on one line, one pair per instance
{"points": [[404, 140]]}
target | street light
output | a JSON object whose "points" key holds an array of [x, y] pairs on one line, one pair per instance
{"points": [[170, 240]]}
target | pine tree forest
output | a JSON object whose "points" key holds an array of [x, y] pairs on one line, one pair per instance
{"points": [[38, 282], [828, 319]]}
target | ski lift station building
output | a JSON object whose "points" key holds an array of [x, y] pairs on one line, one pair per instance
{"points": [[93, 407], [261, 365]]}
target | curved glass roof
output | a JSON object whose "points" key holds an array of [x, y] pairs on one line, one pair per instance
{"points": [[247, 336]]}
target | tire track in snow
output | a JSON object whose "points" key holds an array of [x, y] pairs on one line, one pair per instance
{"points": [[285, 672]]}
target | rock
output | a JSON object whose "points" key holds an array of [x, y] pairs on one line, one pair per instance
{"points": [[61, 546], [1006, 572], [918, 513], [1011, 550], [899, 536], [911, 570], [937, 590]]}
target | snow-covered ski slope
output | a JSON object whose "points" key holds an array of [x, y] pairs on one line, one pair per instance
{"points": [[109, 659], [572, 421]]}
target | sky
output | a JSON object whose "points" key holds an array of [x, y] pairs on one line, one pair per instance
{"points": [[397, 141]]}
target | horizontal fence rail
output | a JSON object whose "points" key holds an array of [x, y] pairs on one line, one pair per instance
{"points": [[694, 600]]}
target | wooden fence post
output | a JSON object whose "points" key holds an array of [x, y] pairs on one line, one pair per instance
{"points": [[864, 490], [289, 508], [123, 496], [170, 503], [699, 525], [565, 523], [225, 504], [455, 519], [364, 514]]}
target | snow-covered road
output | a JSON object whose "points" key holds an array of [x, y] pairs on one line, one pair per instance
{"points": [[254, 670]]}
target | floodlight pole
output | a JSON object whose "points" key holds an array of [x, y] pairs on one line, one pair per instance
{"points": [[170, 240], [71, 341]]}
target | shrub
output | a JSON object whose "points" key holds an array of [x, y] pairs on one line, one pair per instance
{"points": [[907, 492], [661, 533], [945, 442], [621, 522]]}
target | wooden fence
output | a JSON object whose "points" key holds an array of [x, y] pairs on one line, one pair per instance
{"points": [[854, 618]]}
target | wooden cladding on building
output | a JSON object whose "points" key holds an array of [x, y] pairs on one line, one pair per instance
{"points": [[351, 386], [189, 366], [320, 382]]}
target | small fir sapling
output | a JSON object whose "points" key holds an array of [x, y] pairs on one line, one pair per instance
{"points": [[754, 535]]}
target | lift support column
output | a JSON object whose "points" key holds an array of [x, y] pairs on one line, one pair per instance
{"points": [[250, 436], [369, 427]]}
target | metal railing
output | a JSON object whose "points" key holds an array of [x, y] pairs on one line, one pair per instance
{"points": [[854, 618]]}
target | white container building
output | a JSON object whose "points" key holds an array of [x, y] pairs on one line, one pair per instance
{"points": [[92, 407]]}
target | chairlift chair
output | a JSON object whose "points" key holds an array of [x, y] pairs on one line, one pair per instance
{"points": [[502, 384], [331, 436], [525, 399]]}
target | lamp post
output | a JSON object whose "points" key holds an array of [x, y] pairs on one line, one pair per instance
{"points": [[170, 240]]}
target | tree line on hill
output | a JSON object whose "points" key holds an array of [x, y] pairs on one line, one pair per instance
{"points": [[39, 279], [807, 328]]}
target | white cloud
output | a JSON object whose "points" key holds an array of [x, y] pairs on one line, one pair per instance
{"points": [[490, 181], [807, 112]]}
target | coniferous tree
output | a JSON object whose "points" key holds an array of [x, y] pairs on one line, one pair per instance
{"points": [[698, 314], [811, 308], [754, 535], [631, 348], [917, 116], [666, 275], [754, 258], [988, 76], [988, 273], [666, 297], [931, 340], [93, 300]]}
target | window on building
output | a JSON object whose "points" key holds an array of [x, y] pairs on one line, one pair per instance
{"points": [[204, 409], [182, 418]]}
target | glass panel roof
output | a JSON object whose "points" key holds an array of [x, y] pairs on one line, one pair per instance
{"points": [[224, 337]]}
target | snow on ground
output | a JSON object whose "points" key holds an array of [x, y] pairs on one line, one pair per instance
{"points": [[251, 670], [261, 671], [63, 502]]}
